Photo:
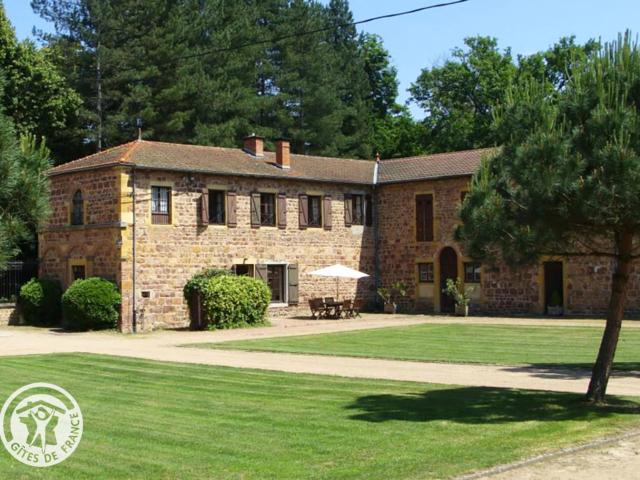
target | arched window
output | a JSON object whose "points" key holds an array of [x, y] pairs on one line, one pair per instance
{"points": [[77, 209]]}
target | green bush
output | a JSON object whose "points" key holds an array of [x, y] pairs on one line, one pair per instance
{"points": [[199, 280], [231, 301], [39, 302], [90, 304]]}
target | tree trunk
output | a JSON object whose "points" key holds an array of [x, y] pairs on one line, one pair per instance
{"points": [[602, 368]]}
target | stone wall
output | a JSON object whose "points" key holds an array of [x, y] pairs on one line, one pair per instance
{"points": [[168, 255], [8, 314], [503, 290], [96, 243]]}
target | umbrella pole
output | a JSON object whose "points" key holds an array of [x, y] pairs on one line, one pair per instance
{"points": [[337, 288]]}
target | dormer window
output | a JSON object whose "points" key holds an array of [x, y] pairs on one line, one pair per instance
{"points": [[77, 209]]}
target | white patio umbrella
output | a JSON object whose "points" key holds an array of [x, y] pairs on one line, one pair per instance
{"points": [[338, 271]]}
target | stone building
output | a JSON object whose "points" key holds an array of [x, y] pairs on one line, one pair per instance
{"points": [[149, 215]]}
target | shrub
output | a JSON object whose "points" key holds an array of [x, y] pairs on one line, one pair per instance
{"points": [[39, 301], [231, 301], [90, 304], [199, 280]]}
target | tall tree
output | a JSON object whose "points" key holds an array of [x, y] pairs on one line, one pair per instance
{"points": [[34, 93], [459, 96], [567, 181], [24, 191]]}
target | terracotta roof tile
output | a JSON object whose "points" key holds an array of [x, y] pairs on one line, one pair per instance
{"points": [[440, 165], [234, 161], [225, 161]]}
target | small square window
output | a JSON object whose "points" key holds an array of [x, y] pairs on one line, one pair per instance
{"points": [[425, 272], [216, 207], [315, 211], [78, 272], [472, 272], [161, 205], [268, 209]]}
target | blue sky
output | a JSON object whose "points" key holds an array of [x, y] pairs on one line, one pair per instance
{"points": [[426, 38]]}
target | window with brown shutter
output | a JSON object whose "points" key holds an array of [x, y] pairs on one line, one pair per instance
{"points": [[216, 208], [204, 208], [314, 210], [282, 210], [255, 210], [357, 207], [348, 212], [232, 219], [424, 218], [161, 205], [268, 209], [328, 222], [303, 211]]}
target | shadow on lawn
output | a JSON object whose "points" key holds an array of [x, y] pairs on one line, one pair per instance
{"points": [[483, 405], [573, 371]]}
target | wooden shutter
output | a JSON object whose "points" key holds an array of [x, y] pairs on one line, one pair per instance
{"points": [[261, 272], [282, 210], [424, 218], [255, 209], [303, 211], [328, 221], [232, 219], [348, 210], [368, 210], [293, 284], [204, 208]]}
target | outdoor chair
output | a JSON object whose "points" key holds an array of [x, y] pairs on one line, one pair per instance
{"points": [[356, 306], [347, 308], [317, 307]]}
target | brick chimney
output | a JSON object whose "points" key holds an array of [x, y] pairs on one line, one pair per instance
{"points": [[283, 159], [254, 145]]}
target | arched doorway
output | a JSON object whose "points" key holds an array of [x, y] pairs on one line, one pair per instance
{"points": [[448, 269]]}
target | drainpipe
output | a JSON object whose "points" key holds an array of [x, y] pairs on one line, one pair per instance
{"points": [[134, 319], [376, 228]]}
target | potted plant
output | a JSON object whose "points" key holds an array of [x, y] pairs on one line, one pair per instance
{"points": [[455, 289], [555, 307], [390, 296]]}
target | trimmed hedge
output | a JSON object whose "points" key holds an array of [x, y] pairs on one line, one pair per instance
{"points": [[230, 301], [91, 304], [197, 283], [39, 302]]}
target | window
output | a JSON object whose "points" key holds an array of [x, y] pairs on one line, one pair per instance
{"points": [[216, 207], [357, 208], [315, 211], [77, 209], [424, 218], [472, 272], [78, 272], [268, 209], [161, 205], [276, 282], [243, 269], [425, 272]]}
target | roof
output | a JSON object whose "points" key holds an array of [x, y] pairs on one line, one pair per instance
{"points": [[224, 161], [426, 167], [234, 161]]}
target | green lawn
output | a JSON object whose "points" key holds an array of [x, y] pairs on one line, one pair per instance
{"points": [[498, 344], [157, 420]]}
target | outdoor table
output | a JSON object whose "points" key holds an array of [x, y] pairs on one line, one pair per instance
{"points": [[337, 308]]}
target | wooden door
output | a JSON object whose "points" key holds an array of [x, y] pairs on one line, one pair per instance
{"points": [[448, 269], [553, 286]]}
